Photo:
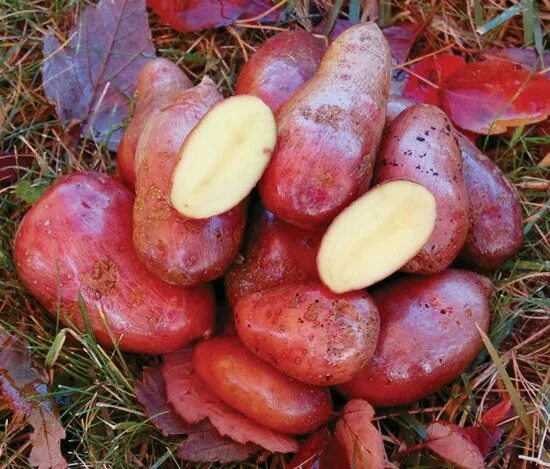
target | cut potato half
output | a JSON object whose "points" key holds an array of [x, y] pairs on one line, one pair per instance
{"points": [[376, 235], [224, 157]]}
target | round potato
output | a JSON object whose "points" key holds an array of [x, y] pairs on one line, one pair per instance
{"points": [[274, 254], [257, 389], [428, 336], [77, 240], [308, 332], [420, 146]]}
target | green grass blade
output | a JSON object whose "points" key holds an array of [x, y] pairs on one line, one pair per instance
{"points": [[524, 417], [333, 16], [500, 19], [354, 10]]}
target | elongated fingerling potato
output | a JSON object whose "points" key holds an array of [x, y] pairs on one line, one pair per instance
{"points": [[178, 249], [329, 131], [158, 81], [77, 240], [308, 332], [275, 253], [259, 390], [420, 146], [495, 231], [280, 66], [428, 336]]}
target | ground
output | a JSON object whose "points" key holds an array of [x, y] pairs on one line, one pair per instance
{"points": [[105, 425]]}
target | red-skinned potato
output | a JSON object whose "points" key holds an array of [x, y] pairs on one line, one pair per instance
{"points": [[428, 336], [308, 332], [275, 253], [329, 131], [420, 145], [280, 66], [257, 389], [178, 249], [77, 239], [158, 81], [495, 231]]}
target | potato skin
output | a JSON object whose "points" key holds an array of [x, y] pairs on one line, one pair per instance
{"points": [[275, 253], [420, 145], [428, 336], [308, 332], [178, 249], [495, 231], [158, 81], [259, 390], [329, 132], [78, 239], [280, 66]]}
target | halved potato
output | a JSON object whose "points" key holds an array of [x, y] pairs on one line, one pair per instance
{"points": [[224, 157], [376, 235]]}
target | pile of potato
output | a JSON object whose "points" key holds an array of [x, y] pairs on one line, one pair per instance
{"points": [[356, 190]]}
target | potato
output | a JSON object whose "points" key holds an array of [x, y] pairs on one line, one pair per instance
{"points": [[280, 66], [257, 389], [428, 336], [329, 131], [223, 157], [178, 249], [158, 81], [77, 239], [376, 235], [495, 213], [275, 253], [308, 332], [420, 146]]}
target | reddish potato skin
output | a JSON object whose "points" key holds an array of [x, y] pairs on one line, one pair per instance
{"points": [[495, 212], [420, 145], [329, 132], [280, 66], [257, 389], [158, 81], [274, 254], [78, 239], [308, 332], [428, 336], [178, 249]]}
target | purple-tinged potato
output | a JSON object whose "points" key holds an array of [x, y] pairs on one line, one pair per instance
{"points": [[428, 336], [280, 66], [77, 240], [178, 249], [275, 253], [308, 332], [329, 132], [158, 81], [495, 231], [420, 146]]}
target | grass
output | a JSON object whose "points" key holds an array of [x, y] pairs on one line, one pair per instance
{"points": [[105, 426]]}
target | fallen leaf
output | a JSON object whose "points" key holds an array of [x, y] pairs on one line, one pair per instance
{"points": [[434, 69], [205, 444], [338, 28], [526, 57], [195, 15], [151, 393], [487, 436], [401, 37], [360, 439], [311, 451], [92, 77], [24, 389], [485, 97], [449, 443], [194, 401], [12, 166]]}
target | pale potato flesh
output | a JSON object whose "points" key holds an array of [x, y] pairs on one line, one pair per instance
{"points": [[376, 235], [224, 157]]}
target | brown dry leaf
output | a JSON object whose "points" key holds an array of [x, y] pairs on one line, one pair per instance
{"points": [[21, 384], [91, 78]]}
